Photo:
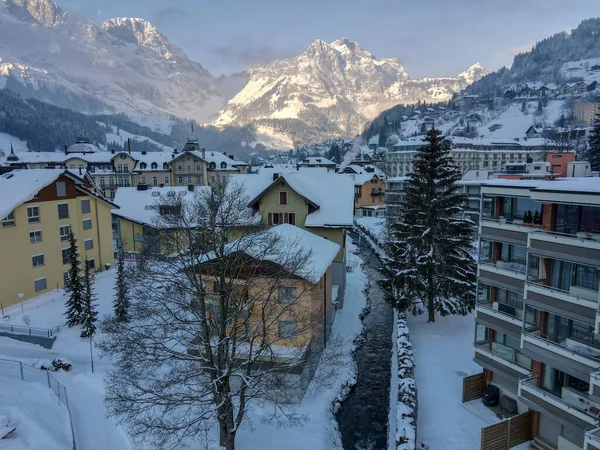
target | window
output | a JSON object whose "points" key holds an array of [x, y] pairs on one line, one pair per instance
{"points": [[198, 168], [85, 206], [143, 181], [189, 180], [143, 166], [63, 211], [212, 180], [120, 168], [180, 180], [224, 180], [66, 252], [87, 224], [35, 236], [587, 277], [90, 263], [287, 295], [154, 181], [65, 230], [102, 183], [37, 260], [154, 166], [9, 221], [288, 330], [179, 167], [198, 180], [33, 214], [39, 284], [223, 165], [283, 198], [166, 180], [126, 168], [61, 188], [88, 244]]}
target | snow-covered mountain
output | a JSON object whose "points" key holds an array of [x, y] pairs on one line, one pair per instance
{"points": [[336, 87], [125, 65]]}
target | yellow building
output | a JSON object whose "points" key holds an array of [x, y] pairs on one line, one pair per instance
{"points": [[314, 200], [306, 297], [369, 190], [39, 208], [137, 218]]}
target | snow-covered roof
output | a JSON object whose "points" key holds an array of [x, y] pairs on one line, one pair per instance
{"points": [[588, 185], [152, 157], [83, 145], [140, 206], [320, 251], [219, 158], [360, 179], [317, 160], [333, 194], [505, 182], [374, 140], [20, 186]]}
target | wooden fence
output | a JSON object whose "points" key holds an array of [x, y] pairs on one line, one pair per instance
{"points": [[473, 387], [507, 434]]}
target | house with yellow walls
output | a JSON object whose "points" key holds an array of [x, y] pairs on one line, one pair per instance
{"points": [[39, 208], [317, 201], [288, 299], [137, 216], [369, 190]]}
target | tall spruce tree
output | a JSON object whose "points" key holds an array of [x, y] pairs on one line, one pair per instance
{"points": [[594, 142], [121, 302], [428, 253], [89, 315], [74, 285]]}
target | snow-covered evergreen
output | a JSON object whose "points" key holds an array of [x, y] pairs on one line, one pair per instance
{"points": [[428, 258], [594, 150], [121, 301], [89, 316], [74, 286]]}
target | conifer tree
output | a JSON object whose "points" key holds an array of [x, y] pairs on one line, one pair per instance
{"points": [[121, 302], [74, 285], [89, 315], [594, 141], [428, 253]]}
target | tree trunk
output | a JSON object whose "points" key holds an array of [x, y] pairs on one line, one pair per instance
{"points": [[430, 296], [227, 430]]}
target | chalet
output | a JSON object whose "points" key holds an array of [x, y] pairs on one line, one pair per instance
{"points": [[317, 161], [533, 132], [369, 190], [525, 92], [595, 67]]}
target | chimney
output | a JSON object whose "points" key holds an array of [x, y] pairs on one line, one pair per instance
{"points": [[191, 187], [113, 151], [144, 152], [231, 157], [65, 149], [203, 153], [275, 176]]}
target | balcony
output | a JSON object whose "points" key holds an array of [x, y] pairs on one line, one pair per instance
{"points": [[592, 439], [570, 406], [503, 359], [583, 248], [489, 315], [569, 355], [504, 230], [504, 274], [376, 193], [578, 303]]}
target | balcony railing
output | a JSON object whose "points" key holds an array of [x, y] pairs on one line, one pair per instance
{"points": [[580, 294], [511, 266], [584, 409], [507, 356], [570, 346], [488, 307], [592, 438]]}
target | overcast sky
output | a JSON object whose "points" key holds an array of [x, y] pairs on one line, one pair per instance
{"points": [[430, 37]]}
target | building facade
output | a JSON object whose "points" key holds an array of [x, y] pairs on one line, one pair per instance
{"points": [[537, 320], [35, 230], [369, 190], [584, 114]]}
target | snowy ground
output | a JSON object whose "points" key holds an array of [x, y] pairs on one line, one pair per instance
{"points": [[93, 430], [375, 226], [7, 139], [32, 408], [443, 354]]}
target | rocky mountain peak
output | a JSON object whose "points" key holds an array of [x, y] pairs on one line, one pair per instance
{"points": [[140, 32], [44, 12], [473, 73]]}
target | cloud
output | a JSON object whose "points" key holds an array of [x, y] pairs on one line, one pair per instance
{"points": [[170, 15], [246, 53]]}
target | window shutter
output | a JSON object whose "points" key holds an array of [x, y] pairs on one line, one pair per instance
{"points": [[293, 218], [285, 218], [270, 219]]}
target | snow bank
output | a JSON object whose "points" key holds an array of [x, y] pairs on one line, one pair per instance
{"points": [[374, 230], [406, 405]]}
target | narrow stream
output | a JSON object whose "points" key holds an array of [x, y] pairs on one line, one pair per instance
{"points": [[363, 420]]}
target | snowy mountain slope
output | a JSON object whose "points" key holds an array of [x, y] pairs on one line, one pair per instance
{"points": [[127, 65], [340, 83]]}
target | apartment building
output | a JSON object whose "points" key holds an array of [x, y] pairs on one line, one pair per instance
{"points": [[537, 320], [585, 113], [40, 207]]}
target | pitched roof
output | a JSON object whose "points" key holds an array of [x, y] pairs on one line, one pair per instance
{"points": [[331, 193], [24, 184], [320, 252]]}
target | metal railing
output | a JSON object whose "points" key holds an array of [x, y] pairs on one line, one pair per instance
{"points": [[16, 369], [535, 334], [44, 332], [593, 434], [484, 347], [531, 383]]}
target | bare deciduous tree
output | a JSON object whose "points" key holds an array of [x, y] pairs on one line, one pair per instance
{"points": [[214, 324]]}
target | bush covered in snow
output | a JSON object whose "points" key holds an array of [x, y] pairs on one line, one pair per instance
{"points": [[406, 416], [55, 366]]}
